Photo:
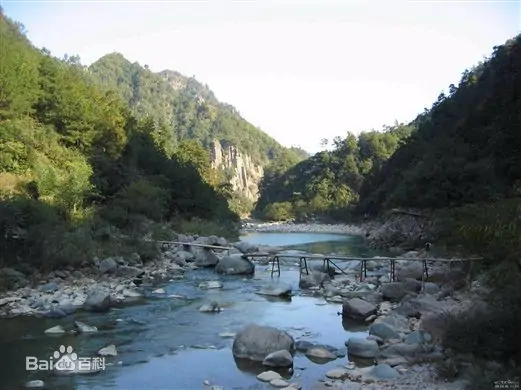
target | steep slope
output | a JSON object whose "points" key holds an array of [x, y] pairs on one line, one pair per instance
{"points": [[467, 147], [189, 110]]}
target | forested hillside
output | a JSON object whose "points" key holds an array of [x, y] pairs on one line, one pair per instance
{"points": [[185, 108], [329, 182], [78, 168], [465, 149]]}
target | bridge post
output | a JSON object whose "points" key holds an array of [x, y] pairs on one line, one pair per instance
{"points": [[303, 265], [186, 247], [275, 260], [363, 269], [392, 270], [425, 269]]}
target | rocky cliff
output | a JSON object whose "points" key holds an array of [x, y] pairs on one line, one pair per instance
{"points": [[239, 169]]}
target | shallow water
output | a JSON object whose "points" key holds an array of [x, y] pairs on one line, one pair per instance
{"points": [[166, 343]]}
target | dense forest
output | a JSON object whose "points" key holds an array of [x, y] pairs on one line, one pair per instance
{"points": [[328, 183], [466, 148], [79, 167]]}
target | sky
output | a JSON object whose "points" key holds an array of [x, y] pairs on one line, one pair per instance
{"points": [[299, 70]]}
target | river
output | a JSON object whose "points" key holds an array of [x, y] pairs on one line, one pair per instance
{"points": [[166, 343]]}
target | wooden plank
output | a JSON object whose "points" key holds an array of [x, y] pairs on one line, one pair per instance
{"points": [[323, 257], [194, 244]]}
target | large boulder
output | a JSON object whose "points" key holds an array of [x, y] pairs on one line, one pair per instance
{"points": [[358, 309], [235, 265], [255, 342], [314, 279], [413, 270], [363, 348], [245, 247], [394, 291], [206, 258], [384, 331], [97, 300]]}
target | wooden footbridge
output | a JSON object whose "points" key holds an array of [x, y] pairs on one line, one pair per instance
{"points": [[328, 261]]}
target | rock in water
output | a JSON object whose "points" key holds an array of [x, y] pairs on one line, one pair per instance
{"points": [[268, 376], [97, 300], [109, 350], [235, 265], [206, 258], [278, 359], [276, 290], [363, 348], [256, 342], [84, 328], [357, 308]]}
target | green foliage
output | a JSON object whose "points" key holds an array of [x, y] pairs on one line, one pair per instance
{"points": [[328, 183], [75, 158], [184, 108], [465, 148], [279, 211]]}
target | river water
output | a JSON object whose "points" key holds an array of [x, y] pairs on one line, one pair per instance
{"points": [[166, 343]]}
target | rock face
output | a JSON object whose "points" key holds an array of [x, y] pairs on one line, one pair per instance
{"points": [[243, 174], [256, 342], [235, 265]]}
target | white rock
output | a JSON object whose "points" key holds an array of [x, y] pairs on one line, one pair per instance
{"points": [[159, 291], [36, 384], [109, 350], [337, 373], [58, 329], [279, 383]]}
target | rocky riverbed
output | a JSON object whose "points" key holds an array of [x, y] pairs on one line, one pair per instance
{"points": [[403, 318]]}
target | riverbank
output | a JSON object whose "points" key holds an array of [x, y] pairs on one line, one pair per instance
{"points": [[403, 307]]}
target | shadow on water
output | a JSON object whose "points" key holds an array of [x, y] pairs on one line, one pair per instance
{"points": [[167, 343]]}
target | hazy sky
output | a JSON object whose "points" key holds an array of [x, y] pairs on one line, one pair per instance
{"points": [[300, 70]]}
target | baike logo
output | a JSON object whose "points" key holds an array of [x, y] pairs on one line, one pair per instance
{"points": [[65, 360]]}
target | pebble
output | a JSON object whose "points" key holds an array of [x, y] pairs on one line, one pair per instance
{"points": [[109, 350], [227, 335], [58, 329], [337, 373], [268, 376], [279, 383], [36, 384]]}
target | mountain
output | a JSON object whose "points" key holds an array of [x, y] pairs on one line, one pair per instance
{"points": [[188, 109], [467, 147]]}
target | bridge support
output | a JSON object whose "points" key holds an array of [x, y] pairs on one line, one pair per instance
{"points": [[392, 270], [363, 270], [274, 260], [303, 266]]}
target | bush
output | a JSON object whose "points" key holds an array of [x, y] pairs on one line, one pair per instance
{"points": [[280, 211]]}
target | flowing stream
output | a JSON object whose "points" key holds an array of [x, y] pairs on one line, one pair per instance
{"points": [[166, 343]]}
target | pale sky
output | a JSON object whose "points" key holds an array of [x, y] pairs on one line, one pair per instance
{"points": [[299, 70]]}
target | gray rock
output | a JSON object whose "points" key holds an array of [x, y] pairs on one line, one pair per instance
{"points": [[58, 329], [412, 285], [303, 345], [418, 337], [268, 376], [97, 300], [109, 350], [49, 288], [384, 331], [358, 309], [235, 265], [418, 306], [314, 279], [84, 328], [55, 312], [210, 307], [255, 342], [206, 259], [431, 288], [279, 383], [36, 384], [361, 347], [135, 259], [276, 290], [245, 247], [107, 265], [394, 291], [280, 358], [383, 371], [413, 270], [337, 373], [320, 352], [410, 352], [127, 271]]}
